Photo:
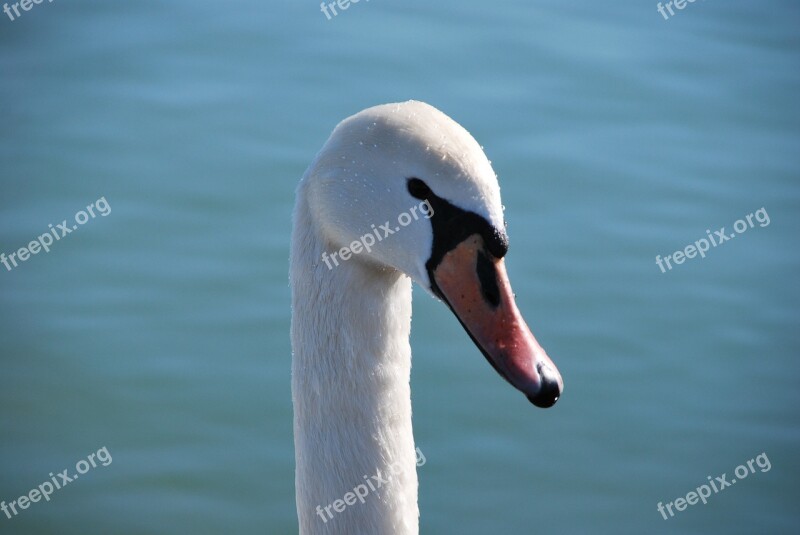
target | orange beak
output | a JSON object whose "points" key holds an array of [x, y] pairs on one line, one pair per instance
{"points": [[475, 286]]}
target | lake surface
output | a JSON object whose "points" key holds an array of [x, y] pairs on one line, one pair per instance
{"points": [[160, 331]]}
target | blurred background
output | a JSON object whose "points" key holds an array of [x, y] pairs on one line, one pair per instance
{"points": [[161, 331]]}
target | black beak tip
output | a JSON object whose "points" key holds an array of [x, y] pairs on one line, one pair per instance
{"points": [[544, 401], [548, 393]]}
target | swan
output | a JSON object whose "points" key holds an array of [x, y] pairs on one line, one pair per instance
{"points": [[351, 305]]}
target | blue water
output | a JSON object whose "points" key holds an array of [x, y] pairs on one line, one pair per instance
{"points": [[160, 331]]}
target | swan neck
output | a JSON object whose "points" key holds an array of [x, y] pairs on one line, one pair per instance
{"points": [[350, 387]]}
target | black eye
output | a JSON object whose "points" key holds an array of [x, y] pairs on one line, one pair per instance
{"points": [[417, 188]]}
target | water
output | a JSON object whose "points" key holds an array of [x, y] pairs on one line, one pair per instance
{"points": [[160, 331]]}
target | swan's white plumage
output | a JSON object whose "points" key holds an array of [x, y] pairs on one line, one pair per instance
{"points": [[351, 324]]}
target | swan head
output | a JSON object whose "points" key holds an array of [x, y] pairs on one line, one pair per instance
{"points": [[404, 187]]}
